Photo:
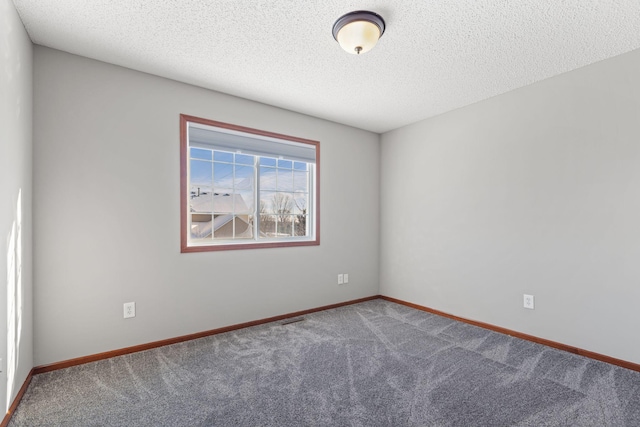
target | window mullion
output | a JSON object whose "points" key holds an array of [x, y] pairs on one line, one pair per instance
{"points": [[275, 208], [213, 190], [257, 199], [234, 195]]}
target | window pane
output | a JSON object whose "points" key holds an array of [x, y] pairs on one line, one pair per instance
{"points": [[200, 173], [243, 227], [268, 161], [244, 189], [300, 181], [223, 203], [300, 225], [282, 203], [285, 180], [243, 177], [268, 178], [244, 202], [284, 226], [285, 164], [300, 203], [222, 177], [200, 188], [200, 203], [223, 156], [266, 202], [200, 226], [199, 153], [300, 166], [223, 226], [267, 226], [245, 159]]}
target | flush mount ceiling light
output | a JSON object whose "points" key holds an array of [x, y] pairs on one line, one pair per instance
{"points": [[359, 31]]}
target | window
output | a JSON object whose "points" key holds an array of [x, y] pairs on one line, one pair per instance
{"points": [[244, 188]]}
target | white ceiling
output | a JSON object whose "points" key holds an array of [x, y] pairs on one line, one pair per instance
{"points": [[435, 55]]}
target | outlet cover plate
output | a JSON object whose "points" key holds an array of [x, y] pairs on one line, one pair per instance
{"points": [[129, 310], [528, 301]]}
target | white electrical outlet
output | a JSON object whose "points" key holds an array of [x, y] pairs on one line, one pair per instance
{"points": [[346, 278], [129, 309], [340, 279], [528, 301]]}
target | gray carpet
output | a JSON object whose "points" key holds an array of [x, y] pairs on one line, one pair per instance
{"points": [[371, 364]]}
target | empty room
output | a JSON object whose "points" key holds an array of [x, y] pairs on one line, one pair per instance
{"points": [[279, 213]]}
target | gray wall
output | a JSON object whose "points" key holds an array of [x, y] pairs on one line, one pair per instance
{"points": [[534, 191], [16, 316], [106, 214]]}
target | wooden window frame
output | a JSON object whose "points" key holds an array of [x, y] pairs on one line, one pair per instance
{"points": [[184, 191]]}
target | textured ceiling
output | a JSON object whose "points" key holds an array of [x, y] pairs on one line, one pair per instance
{"points": [[435, 56]]}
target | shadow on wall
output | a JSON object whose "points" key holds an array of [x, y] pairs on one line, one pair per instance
{"points": [[14, 298]]}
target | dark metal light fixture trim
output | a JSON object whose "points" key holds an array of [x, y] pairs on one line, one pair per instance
{"points": [[359, 16]]}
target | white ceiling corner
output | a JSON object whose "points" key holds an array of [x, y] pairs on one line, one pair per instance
{"points": [[434, 56]]}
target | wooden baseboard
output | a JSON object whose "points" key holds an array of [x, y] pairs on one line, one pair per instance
{"points": [[548, 343], [142, 347], [16, 401]]}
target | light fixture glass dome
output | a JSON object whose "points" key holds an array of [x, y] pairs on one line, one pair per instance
{"points": [[358, 32]]}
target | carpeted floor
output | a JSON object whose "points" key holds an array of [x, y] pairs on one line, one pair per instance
{"points": [[370, 364]]}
